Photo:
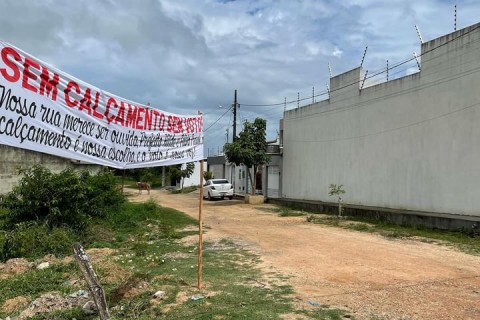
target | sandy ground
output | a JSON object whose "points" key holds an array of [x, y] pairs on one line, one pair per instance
{"points": [[369, 275]]}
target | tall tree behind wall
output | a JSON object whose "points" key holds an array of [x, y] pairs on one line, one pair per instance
{"points": [[250, 148]]}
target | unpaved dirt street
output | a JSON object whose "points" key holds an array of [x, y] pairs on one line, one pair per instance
{"points": [[367, 274]]}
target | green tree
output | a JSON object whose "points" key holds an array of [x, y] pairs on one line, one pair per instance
{"points": [[250, 149], [207, 175], [177, 173], [188, 171], [337, 190]]}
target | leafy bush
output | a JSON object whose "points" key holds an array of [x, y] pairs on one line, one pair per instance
{"points": [[207, 175], [32, 240], [42, 196], [61, 199], [101, 193]]}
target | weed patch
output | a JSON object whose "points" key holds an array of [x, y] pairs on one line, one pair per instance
{"points": [[35, 282], [32, 240], [149, 257], [283, 211], [464, 242], [185, 190]]}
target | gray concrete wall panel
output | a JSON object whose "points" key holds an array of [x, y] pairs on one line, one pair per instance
{"points": [[12, 159], [412, 143]]}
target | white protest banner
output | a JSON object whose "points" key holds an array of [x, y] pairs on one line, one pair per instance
{"points": [[46, 110]]}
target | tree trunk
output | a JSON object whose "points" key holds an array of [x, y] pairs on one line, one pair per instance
{"points": [[254, 180]]}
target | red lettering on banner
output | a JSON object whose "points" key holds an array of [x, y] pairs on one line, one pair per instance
{"points": [[48, 85], [139, 122], [6, 52], [162, 122], [194, 124], [86, 101], [39, 79], [120, 118], [131, 116], [27, 74], [111, 101], [148, 119], [174, 124], [97, 114], [156, 119], [70, 85]]}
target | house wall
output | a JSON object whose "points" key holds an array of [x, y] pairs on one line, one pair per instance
{"points": [[217, 165], [412, 143], [236, 175], [194, 179], [241, 180], [12, 159], [272, 177]]}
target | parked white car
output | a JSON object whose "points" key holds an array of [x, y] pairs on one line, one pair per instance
{"points": [[218, 188]]}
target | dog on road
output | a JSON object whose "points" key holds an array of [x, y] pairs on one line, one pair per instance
{"points": [[143, 186]]}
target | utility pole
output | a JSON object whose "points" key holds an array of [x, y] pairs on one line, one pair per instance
{"points": [[234, 110]]}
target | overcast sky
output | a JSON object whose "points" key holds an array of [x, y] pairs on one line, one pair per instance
{"points": [[189, 55]]}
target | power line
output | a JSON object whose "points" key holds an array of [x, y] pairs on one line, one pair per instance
{"points": [[228, 110], [396, 128], [272, 110], [366, 78], [214, 109], [370, 102], [272, 107]]}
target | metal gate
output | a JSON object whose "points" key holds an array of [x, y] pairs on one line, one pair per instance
{"points": [[273, 181]]}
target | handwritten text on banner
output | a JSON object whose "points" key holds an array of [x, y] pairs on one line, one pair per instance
{"points": [[46, 110]]}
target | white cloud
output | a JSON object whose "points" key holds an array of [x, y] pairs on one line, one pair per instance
{"points": [[337, 52], [182, 55]]}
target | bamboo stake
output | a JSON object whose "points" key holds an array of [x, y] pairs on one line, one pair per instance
{"points": [[200, 229]]}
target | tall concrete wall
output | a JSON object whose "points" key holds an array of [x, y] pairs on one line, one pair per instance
{"points": [[412, 143], [11, 159]]}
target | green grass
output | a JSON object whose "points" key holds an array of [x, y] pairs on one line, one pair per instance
{"points": [[284, 211], [146, 238], [135, 220], [130, 182], [327, 314], [185, 190], [74, 313], [36, 282], [458, 239]]}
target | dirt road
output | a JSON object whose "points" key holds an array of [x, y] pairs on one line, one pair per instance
{"points": [[368, 274]]}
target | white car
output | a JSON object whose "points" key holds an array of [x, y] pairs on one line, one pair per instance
{"points": [[218, 188]]}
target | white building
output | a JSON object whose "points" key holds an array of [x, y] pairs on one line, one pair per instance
{"points": [[194, 179], [237, 175], [411, 143]]}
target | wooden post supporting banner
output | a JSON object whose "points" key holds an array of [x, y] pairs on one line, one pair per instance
{"points": [[200, 229]]}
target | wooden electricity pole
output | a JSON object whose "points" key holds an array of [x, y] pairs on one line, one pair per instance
{"points": [[234, 110]]}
